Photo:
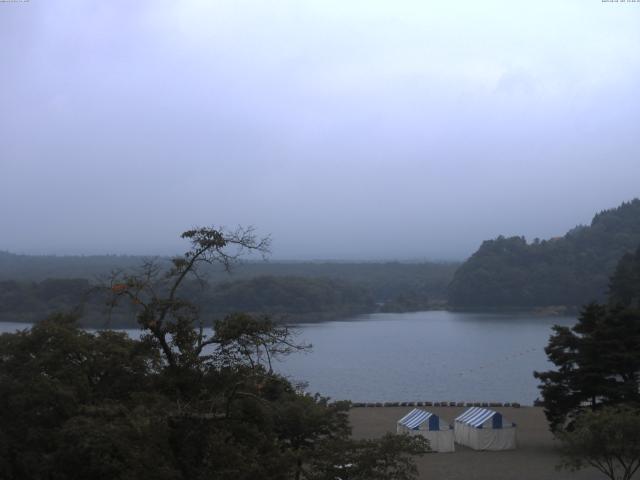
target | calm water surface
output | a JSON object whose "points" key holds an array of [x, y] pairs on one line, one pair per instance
{"points": [[434, 356]]}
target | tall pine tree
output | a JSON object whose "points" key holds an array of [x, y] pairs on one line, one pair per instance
{"points": [[598, 359]]}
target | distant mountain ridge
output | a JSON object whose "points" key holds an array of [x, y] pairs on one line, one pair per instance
{"points": [[571, 270], [40, 267]]}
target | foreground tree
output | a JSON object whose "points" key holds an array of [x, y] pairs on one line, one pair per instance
{"points": [[598, 359], [608, 440], [76, 403], [179, 403], [171, 322], [391, 456], [624, 286]]}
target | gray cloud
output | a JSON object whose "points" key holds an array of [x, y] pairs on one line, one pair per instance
{"points": [[345, 129]]}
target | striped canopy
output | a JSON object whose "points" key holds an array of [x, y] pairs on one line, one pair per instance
{"points": [[476, 416], [417, 417]]}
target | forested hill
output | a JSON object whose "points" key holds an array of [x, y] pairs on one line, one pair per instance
{"points": [[31, 287], [386, 281], [570, 270]]}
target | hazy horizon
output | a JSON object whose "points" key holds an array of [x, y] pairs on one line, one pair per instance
{"points": [[376, 130], [272, 258]]}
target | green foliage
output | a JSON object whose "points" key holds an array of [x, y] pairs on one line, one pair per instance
{"points": [[57, 382], [597, 362], [407, 302], [624, 287], [175, 404], [571, 270], [608, 440], [598, 359], [290, 292], [295, 297], [383, 280], [25, 301], [75, 404], [390, 457]]}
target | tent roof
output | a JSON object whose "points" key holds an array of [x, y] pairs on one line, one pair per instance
{"points": [[476, 416], [415, 417]]}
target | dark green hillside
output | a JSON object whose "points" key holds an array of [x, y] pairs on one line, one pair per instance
{"points": [[624, 287], [353, 289], [31, 287], [288, 298], [570, 270], [42, 267], [387, 281], [22, 301], [296, 297]]}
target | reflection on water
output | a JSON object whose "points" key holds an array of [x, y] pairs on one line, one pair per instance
{"points": [[423, 356]]}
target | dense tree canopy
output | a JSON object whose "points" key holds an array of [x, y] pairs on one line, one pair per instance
{"points": [[624, 288], [571, 270], [295, 297], [177, 403], [291, 299], [290, 292], [598, 362], [608, 440], [598, 359], [28, 301]]}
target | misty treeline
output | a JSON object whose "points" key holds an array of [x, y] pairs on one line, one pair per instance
{"points": [[504, 273], [291, 292], [571, 270]]}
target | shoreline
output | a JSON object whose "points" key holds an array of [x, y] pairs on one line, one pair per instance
{"points": [[292, 320]]}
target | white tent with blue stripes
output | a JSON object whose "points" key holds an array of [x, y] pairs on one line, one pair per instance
{"points": [[430, 426], [484, 429]]}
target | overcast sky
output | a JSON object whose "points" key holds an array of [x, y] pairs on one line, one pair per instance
{"points": [[346, 129]]}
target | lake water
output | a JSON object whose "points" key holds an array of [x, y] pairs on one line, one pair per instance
{"points": [[426, 356], [422, 356]]}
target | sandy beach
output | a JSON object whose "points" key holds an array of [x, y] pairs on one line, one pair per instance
{"points": [[535, 458]]}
